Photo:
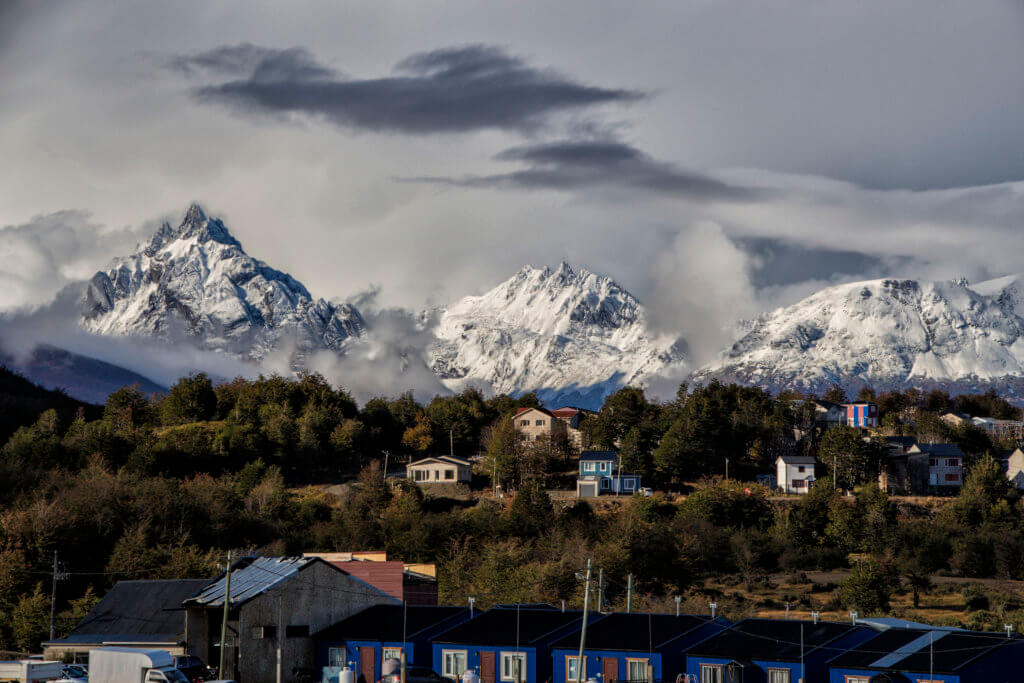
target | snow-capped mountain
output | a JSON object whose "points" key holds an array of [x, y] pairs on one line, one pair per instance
{"points": [[886, 334], [569, 334], [196, 278]]}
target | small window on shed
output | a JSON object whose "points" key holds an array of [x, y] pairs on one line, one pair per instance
{"points": [[264, 632], [296, 631]]}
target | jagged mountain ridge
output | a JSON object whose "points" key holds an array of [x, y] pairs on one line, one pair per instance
{"points": [[197, 278], [886, 334], [569, 334]]}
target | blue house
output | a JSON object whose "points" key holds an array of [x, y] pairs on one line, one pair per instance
{"points": [[620, 647], [505, 643], [599, 473], [365, 640], [933, 654], [772, 651]]}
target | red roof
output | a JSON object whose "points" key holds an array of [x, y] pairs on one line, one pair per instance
{"points": [[566, 412]]}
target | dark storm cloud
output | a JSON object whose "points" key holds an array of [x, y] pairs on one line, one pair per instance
{"points": [[783, 262], [449, 90], [598, 164]]}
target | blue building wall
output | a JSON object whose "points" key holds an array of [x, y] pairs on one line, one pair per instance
{"points": [[538, 668], [414, 654], [595, 663]]}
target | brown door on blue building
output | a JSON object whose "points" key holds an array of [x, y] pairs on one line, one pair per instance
{"points": [[610, 669], [486, 667], [366, 665]]}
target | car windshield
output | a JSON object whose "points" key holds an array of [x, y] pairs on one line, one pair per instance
{"points": [[76, 671], [175, 676]]}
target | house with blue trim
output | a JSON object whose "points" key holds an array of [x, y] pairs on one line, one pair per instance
{"points": [[505, 644], [620, 646], [599, 474], [940, 655], [364, 640], [772, 651]]}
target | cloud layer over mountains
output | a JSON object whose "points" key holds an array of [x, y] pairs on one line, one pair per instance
{"points": [[715, 163]]}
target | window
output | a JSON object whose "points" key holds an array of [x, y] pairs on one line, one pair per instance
{"points": [[778, 675], [539, 423], [605, 483], [264, 632], [336, 656], [931, 462], [391, 653], [856, 679], [798, 483], [604, 467], [513, 666], [588, 467], [572, 669], [453, 663], [953, 477], [953, 462], [711, 673], [800, 469], [636, 669], [296, 631], [449, 474], [524, 423]]}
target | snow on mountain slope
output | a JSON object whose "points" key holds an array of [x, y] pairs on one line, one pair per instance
{"points": [[197, 278], [883, 333], [571, 335]]}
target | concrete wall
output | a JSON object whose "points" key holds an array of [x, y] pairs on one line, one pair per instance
{"points": [[317, 597]]}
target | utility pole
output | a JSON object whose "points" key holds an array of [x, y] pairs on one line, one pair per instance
{"points": [[600, 589], [451, 442], [53, 600], [727, 469], [581, 664], [224, 618], [629, 595], [386, 454]]}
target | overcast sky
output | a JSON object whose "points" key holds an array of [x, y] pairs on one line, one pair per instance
{"points": [[716, 158]]}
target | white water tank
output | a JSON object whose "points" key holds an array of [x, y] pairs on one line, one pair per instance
{"points": [[346, 675], [470, 676], [391, 666]]}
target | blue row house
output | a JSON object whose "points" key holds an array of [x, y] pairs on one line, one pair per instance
{"points": [[365, 640], [599, 474], [505, 643], [620, 647], [772, 651], [931, 655]]}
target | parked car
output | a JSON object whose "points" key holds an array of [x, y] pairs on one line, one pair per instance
{"points": [[416, 674], [73, 673], [646, 491], [193, 668]]}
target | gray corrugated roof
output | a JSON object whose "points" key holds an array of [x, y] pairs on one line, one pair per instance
{"points": [[139, 611], [251, 577]]}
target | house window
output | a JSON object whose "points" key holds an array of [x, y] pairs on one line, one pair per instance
{"points": [[952, 462], [513, 666], [604, 467], [711, 673], [628, 484], [636, 669], [588, 467], [798, 483], [417, 475], [453, 663], [572, 669], [391, 653], [336, 656], [856, 679], [952, 477], [524, 423], [800, 469], [539, 423], [931, 462], [449, 474], [605, 483], [778, 675]]}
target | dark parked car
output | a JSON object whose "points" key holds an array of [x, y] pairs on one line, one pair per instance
{"points": [[416, 674], [193, 668]]}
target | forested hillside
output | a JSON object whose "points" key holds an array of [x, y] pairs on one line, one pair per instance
{"points": [[162, 487]]}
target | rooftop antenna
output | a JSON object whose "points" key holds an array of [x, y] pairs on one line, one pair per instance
{"points": [[787, 611], [1009, 629], [472, 601], [714, 609], [678, 600], [853, 617]]}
